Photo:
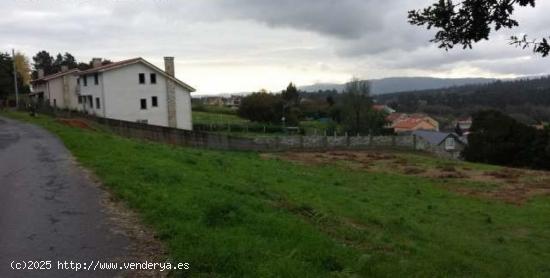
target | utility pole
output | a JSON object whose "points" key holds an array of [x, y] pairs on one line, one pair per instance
{"points": [[15, 79]]}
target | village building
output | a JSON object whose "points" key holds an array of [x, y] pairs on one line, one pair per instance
{"points": [[444, 144], [406, 123], [57, 90], [130, 90]]}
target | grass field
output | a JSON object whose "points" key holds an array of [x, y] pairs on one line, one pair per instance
{"points": [[386, 214], [217, 118]]}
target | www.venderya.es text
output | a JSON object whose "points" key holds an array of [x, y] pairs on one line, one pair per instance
{"points": [[93, 265]]}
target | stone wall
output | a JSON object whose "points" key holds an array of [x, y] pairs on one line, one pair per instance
{"points": [[282, 143]]}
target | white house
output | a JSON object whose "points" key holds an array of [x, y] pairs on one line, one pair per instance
{"points": [[129, 90], [59, 89]]}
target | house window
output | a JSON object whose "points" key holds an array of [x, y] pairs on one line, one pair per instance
{"points": [[154, 102], [79, 99], [85, 79], [142, 121], [142, 78], [96, 78], [450, 143], [143, 104], [153, 78], [97, 103]]}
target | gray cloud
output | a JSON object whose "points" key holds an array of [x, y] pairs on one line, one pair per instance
{"points": [[319, 39]]}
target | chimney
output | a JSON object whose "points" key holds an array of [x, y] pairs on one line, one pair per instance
{"points": [[170, 92], [64, 68], [40, 73], [169, 66], [96, 62]]}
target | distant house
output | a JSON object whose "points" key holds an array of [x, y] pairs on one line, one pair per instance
{"points": [[214, 101], [402, 123], [444, 144], [464, 124], [383, 108], [233, 101], [129, 90]]}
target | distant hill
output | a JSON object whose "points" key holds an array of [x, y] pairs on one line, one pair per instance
{"points": [[527, 100], [402, 84]]}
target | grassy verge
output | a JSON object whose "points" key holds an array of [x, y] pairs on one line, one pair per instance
{"points": [[238, 214], [217, 118]]}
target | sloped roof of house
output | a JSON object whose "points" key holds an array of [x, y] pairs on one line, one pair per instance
{"points": [[394, 116], [435, 137], [378, 107], [54, 76], [127, 62], [409, 123]]}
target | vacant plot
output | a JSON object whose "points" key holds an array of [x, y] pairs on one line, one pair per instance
{"points": [[382, 214], [510, 185]]}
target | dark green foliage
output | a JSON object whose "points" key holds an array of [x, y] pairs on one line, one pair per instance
{"points": [[7, 89], [43, 60], [6, 75], [291, 95], [262, 107], [471, 21], [356, 111], [499, 139], [530, 97], [50, 65]]}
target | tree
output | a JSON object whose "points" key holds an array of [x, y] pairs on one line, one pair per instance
{"points": [[43, 60], [499, 139], [262, 107], [69, 61], [356, 104], [6, 75], [470, 21], [291, 95], [23, 67]]}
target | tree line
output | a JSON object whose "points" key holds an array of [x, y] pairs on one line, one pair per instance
{"points": [[350, 111], [526, 100], [45, 61]]}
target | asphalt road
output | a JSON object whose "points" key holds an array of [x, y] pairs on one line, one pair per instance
{"points": [[50, 210]]}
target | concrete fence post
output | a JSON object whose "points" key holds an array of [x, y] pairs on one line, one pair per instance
{"points": [[370, 140]]}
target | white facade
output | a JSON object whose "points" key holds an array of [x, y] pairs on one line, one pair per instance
{"points": [[58, 90], [127, 91]]}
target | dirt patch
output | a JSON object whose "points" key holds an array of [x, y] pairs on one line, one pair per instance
{"points": [[516, 194], [506, 174], [78, 123], [510, 185]]}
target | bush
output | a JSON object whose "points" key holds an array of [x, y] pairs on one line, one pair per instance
{"points": [[499, 139]]}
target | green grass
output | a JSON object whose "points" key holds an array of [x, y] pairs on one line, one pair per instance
{"points": [[217, 118], [234, 214]]}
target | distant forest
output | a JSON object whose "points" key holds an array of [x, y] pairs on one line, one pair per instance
{"points": [[526, 100]]}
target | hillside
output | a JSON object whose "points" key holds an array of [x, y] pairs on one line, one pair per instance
{"points": [[334, 214], [400, 84], [527, 99]]}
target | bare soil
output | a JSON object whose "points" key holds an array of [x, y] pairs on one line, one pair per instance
{"points": [[515, 186], [78, 123]]}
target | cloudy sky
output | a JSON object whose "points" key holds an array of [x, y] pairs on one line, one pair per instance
{"points": [[245, 45]]}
